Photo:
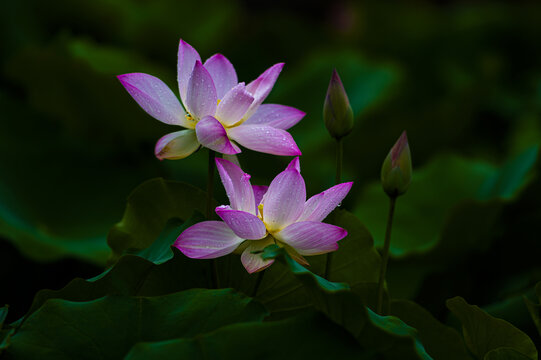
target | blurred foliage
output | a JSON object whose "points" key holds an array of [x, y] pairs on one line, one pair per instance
{"points": [[441, 186], [463, 78]]}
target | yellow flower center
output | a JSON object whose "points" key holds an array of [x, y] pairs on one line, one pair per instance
{"points": [[260, 208]]}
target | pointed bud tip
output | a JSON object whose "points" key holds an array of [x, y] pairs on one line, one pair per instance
{"points": [[399, 148], [335, 78], [396, 171], [337, 111]]}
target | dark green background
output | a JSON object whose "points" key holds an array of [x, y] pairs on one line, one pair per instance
{"points": [[463, 78]]}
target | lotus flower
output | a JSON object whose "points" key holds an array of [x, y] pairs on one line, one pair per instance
{"points": [[217, 111], [259, 216]]}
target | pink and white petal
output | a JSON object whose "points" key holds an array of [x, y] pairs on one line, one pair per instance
{"points": [[231, 158], [154, 97], [294, 164], [223, 74], [201, 94], [207, 240], [265, 139], [234, 105], [262, 86], [319, 206], [283, 203], [176, 145], [211, 134], [277, 116], [259, 192], [237, 186], [311, 237], [245, 225], [187, 56], [254, 262]]}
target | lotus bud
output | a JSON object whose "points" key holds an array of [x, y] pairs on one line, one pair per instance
{"points": [[396, 169], [337, 112]]}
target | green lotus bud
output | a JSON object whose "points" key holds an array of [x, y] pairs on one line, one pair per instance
{"points": [[396, 169], [337, 111]]}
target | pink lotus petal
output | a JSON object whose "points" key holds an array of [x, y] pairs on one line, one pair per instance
{"points": [[222, 72], [277, 116], [254, 262], [262, 86], [211, 134], [265, 139], [177, 145], [231, 158], [201, 94], [234, 105], [245, 225], [311, 237], [237, 186], [284, 200], [187, 56], [294, 164], [259, 192], [208, 240], [319, 206], [154, 97]]}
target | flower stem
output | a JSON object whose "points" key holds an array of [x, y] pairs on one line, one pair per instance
{"points": [[210, 188], [339, 156], [210, 183], [385, 254], [258, 282]]}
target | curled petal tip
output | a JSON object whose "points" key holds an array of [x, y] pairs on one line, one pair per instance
{"points": [[220, 161], [177, 145], [294, 165], [348, 184]]}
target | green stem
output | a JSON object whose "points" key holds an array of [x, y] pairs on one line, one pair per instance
{"points": [[328, 265], [339, 157], [210, 188], [385, 255], [210, 183], [258, 282]]}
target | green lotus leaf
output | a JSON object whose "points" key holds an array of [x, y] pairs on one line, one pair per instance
{"points": [[484, 333], [108, 327]]}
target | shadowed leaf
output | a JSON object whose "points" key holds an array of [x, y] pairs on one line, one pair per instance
{"points": [[385, 335], [440, 341], [149, 208], [305, 336], [484, 333], [108, 327]]}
